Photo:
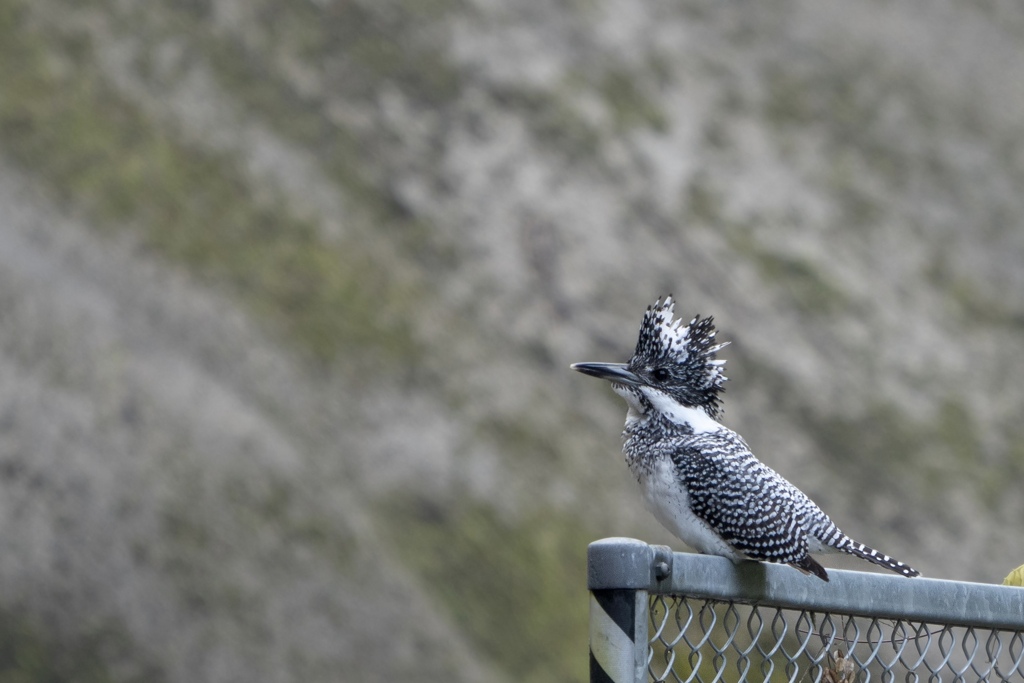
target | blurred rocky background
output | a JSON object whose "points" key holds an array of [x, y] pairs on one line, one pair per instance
{"points": [[289, 291]]}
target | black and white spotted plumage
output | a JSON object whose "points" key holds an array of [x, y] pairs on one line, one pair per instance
{"points": [[700, 478]]}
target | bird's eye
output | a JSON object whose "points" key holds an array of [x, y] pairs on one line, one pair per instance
{"points": [[660, 374]]}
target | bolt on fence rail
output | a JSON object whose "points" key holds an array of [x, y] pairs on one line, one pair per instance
{"points": [[656, 615]]}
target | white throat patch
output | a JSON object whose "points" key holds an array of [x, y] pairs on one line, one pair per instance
{"points": [[696, 418]]}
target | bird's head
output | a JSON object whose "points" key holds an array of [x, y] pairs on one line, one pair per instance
{"points": [[673, 366]]}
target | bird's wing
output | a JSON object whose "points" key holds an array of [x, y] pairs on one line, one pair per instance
{"points": [[753, 508]]}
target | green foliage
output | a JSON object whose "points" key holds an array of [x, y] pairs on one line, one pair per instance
{"points": [[807, 286], [101, 154], [1015, 578], [32, 654], [517, 587], [552, 119], [349, 55], [703, 202], [932, 456], [630, 105], [804, 283]]}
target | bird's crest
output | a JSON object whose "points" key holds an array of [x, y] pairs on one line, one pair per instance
{"points": [[690, 348]]}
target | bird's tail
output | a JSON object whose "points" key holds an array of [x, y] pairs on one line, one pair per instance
{"points": [[882, 560]]}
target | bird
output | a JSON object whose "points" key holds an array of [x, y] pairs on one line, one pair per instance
{"points": [[698, 477]]}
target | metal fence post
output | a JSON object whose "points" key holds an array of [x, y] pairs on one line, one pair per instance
{"points": [[620, 572], [711, 619]]}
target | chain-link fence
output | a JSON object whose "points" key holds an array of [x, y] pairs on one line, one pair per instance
{"points": [[710, 640], [659, 616]]}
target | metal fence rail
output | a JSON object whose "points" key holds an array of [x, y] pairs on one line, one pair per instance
{"points": [[662, 616]]}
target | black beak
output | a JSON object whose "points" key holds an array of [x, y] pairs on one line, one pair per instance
{"points": [[613, 372]]}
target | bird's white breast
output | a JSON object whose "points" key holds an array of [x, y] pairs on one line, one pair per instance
{"points": [[668, 500]]}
